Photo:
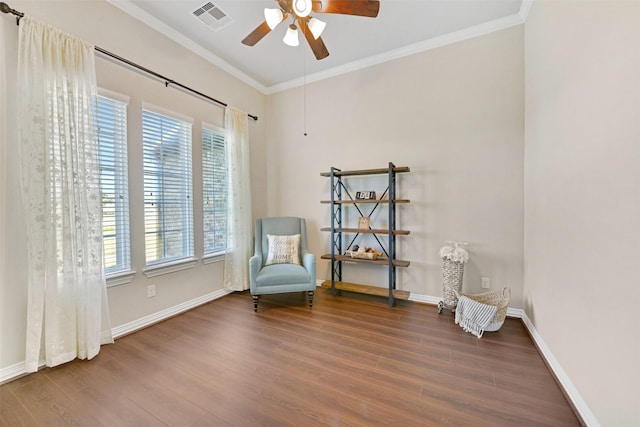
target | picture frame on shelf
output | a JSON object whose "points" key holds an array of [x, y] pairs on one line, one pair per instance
{"points": [[365, 195], [364, 223]]}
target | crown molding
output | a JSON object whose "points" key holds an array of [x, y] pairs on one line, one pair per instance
{"points": [[525, 8], [433, 43], [133, 10]]}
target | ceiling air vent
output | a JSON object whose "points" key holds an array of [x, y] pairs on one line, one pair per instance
{"points": [[212, 16]]}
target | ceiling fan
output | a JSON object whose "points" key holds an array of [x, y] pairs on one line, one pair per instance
{"points": [[311, 27]]}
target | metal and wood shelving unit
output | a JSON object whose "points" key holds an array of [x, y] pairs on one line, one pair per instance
{"points": [[341, 198]]}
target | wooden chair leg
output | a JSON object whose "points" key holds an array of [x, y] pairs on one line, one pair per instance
{"points": [[255, 302], [310, 298]]}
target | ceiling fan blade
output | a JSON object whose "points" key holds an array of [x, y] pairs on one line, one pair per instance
{"points": [[368, 8], [257, 34], [317, 45]]}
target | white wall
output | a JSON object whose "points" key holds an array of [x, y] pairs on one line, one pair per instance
{"points": [[582, 197], [454, 115], [106, 26]]}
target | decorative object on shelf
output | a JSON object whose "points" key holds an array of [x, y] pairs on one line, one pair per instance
{"points": [[364, 223], [499, 299], [365, 195], [363, 252], [454, 256]]}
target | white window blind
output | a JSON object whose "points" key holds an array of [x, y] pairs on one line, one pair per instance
{"points": [[111, 120], [168, 206], [214, 190]]}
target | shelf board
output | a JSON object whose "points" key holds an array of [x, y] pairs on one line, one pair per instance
{"points": [[379, 261], [353, 202], [380, 171], [367, 231], [367, 289]]}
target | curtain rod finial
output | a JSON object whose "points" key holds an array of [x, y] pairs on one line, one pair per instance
{"points": [[5, 8]]}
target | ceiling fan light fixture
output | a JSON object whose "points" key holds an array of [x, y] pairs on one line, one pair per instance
{"points": [[316, 27], [273, 17], [291, 37], [302, 8]]}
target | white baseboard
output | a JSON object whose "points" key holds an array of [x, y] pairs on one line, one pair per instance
{"points": [[149, 320], [12, 372], [565, 382], [18, 369], [428, 299]]}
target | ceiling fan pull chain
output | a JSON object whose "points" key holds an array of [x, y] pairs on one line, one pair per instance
{"points": [[304, 88]]}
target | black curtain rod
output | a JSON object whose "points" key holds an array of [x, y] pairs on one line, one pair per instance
{"points": [[4, 8]]}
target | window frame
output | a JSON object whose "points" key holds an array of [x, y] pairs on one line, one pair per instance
{"points": [[122, 273], [183, 173], [214, 253]]}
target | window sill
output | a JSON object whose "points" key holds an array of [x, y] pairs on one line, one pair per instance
{"points": [[170, 267], [213, 257], [120, 278]]}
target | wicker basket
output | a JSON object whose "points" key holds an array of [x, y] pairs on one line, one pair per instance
{"points": [[452, 272], [498, 299]]}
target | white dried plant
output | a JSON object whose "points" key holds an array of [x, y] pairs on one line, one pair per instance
{"points": [[454, 251]]}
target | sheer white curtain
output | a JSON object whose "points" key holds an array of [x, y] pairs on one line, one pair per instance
{"points": [[67, 315], [239, 235]]}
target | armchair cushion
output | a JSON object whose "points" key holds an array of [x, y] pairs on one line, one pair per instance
{"points": [[283, 274], [283, 249]]}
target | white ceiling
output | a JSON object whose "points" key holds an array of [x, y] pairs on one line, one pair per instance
{"points": [[403, 27]]}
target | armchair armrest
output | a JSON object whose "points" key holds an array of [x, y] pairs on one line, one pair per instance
{"points": [[309, 263], [255, 262]]}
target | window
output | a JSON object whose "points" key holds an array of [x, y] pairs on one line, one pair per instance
{"points": [[214, 191], [111, 121], [168, 206]]}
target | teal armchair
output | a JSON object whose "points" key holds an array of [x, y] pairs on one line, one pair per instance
{"points": [[280, 242]]}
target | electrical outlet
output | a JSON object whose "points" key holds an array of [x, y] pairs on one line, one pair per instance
{"points": [[486, 283], [151, 291]]}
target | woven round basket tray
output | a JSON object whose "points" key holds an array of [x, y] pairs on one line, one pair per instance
{"points": [[498, 299]]}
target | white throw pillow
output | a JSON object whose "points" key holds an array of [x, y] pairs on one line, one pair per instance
{"points": [[283, 249]]}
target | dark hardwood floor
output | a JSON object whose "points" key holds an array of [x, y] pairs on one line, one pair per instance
{"points": [[349, 361]]}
